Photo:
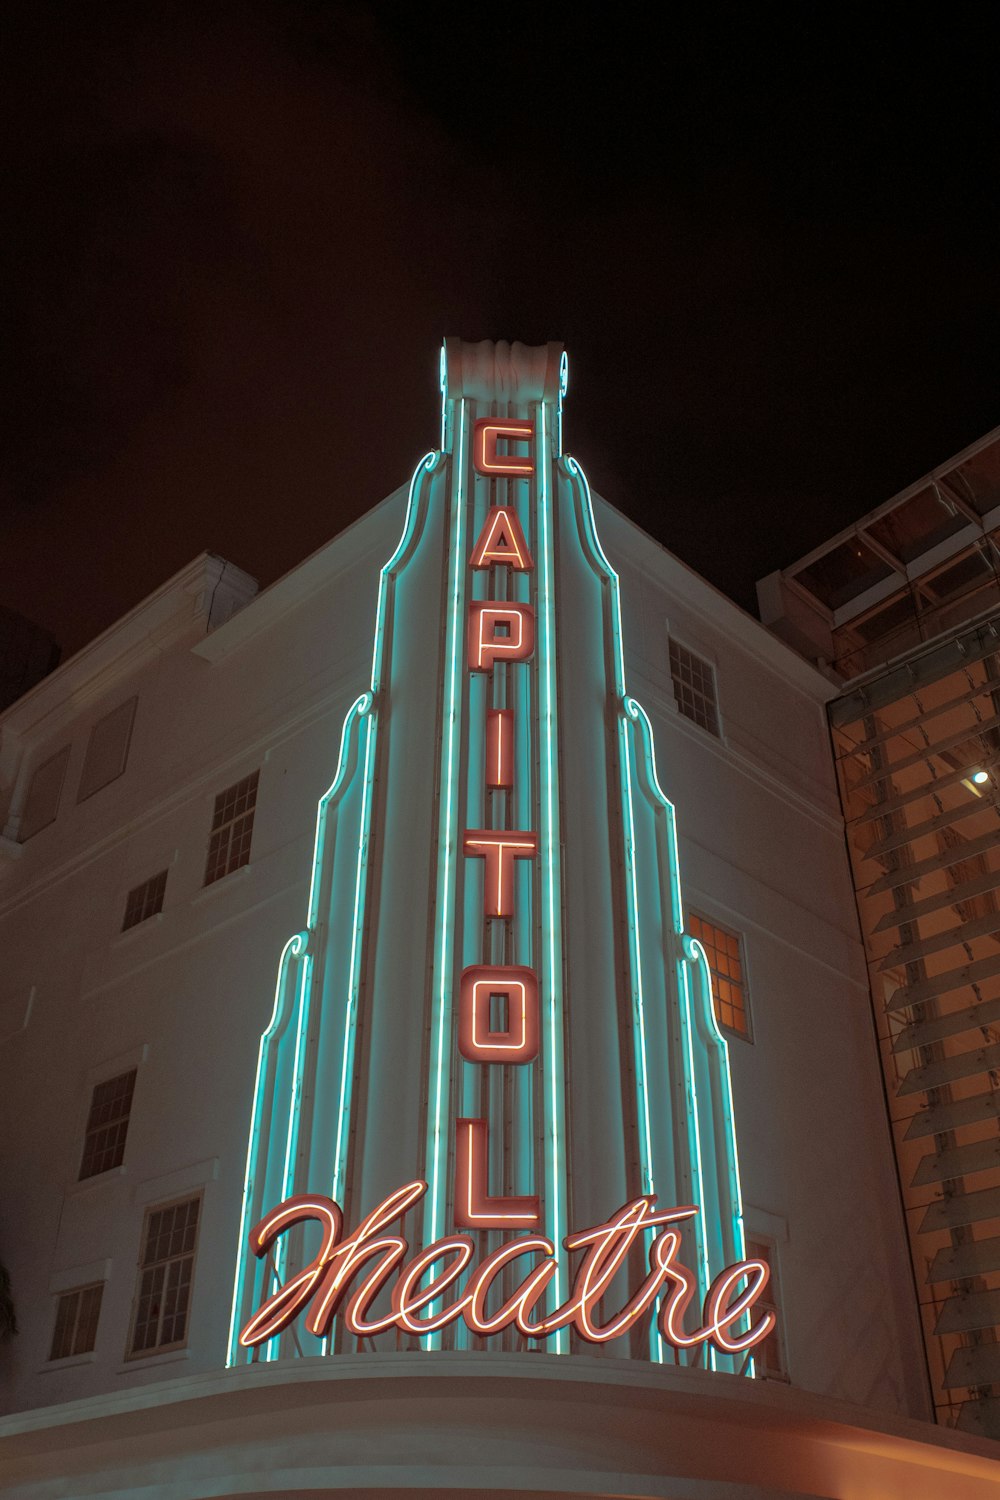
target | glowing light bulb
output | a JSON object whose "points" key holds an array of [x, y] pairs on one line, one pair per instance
{"points": [[980, 776]]}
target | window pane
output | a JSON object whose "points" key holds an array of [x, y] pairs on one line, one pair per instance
{"points": [[107, 1124], [232, 829], [145, 900], [841, 575], [917, 525], [165, 1277], [42, 801], [978, 479], [77, 1314], [694, 687], [107, 750], [722, 949]]}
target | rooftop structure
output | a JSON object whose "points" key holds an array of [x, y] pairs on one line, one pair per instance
{"points": [[913, 569]]}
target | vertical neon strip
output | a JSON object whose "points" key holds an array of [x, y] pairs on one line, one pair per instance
{"points": [[549, 840], [633, 711], [657, 1350], [439, 1075], [354, 980], [642, 1061], [297, 947], [292, 949], [693, 953], [694, 950]]}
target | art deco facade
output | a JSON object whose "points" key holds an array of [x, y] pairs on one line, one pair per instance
{"points": [[162, 865]]}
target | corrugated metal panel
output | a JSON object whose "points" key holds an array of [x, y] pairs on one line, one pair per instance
{"points": [[909, 874], [940, 941], [977, 1365], [949, 1069], [960, 1261], [968, 1311], [863, 746], [948, 897], [946, 819], [922, 1033], [962, 1208], [958, 1161], [977, 727], [939, 1118], [942, 984]]}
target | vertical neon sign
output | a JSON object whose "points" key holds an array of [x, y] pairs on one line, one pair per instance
{"points": [[546, 1019]]}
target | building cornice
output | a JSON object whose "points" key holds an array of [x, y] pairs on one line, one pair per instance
{"points": [[190, 598]]}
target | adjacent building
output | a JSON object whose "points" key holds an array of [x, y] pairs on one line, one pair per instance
{"points": [[902, 612]]}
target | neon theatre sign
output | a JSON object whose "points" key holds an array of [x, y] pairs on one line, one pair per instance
{"points": [[500, 1031]]}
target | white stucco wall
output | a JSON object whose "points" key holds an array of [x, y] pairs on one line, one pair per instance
{"points": [[189, 992]]}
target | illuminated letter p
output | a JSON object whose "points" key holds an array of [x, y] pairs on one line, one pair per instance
{"points": [[499, 632]]}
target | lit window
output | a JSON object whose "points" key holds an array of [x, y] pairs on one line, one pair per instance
{"points": [[42, 801], [166, 1268], [769, 1356], [107, 1125], [107, 750], [729, 991], [144, 900], [77, 1313], [694, 687], [232, 829]]}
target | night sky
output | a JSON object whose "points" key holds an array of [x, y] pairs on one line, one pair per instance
{"points": [[235, 234]]}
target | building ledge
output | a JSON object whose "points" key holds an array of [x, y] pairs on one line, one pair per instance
{"points": [[474, 1423]]}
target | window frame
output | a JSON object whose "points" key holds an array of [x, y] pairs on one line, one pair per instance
{"points": [[214, 869], [771, 1301], [153, 1350], [145, 887], [681, 686], [90, 1129], [61, 1297], [743, 983], [25, 835], [84, 792]]}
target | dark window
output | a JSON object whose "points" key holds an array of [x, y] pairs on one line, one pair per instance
{"points": [[144, 900], [769, 1356], [917, 525], [76, 1321], [729, 991], [844, 573], [107, 750], [166, 1269], [42, 801], [232, 829], [107, 1125]]}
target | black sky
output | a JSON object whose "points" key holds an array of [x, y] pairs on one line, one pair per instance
{"points": [[235, 234]]}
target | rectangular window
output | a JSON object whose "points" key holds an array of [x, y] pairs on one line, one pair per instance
{"points": [[729, 991], [107, 750], [166, 1269], [77, 1313], [107, 1125], [144, 900], [42, 801], [232, 829], [694, 687], [769, 1356]]}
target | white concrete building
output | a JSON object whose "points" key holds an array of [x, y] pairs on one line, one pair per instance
{"points": [[158, 796]]}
